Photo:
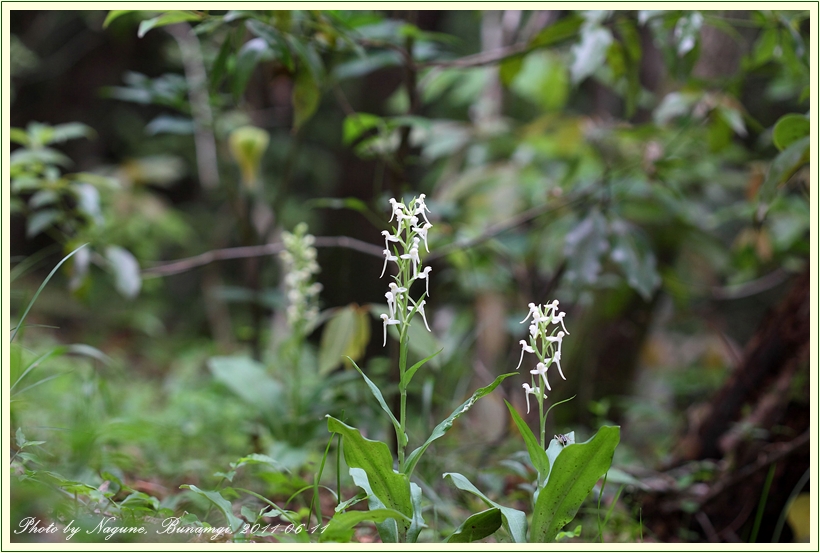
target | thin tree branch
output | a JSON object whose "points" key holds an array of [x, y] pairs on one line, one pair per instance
{"points": [[183, 265]]}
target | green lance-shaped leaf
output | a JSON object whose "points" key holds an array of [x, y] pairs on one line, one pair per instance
{"points": [[221, 503], [40, 289], [784, 166], [477, 527], [538, 456], [347, 520], [418, 522], [408, 375], [447, 423], [168, 18], [514, 521], [305, 97], [378, 395], [390, 487], [574, 473]]}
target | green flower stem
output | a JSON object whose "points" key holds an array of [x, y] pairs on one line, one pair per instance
{"points": [[403, 390]]}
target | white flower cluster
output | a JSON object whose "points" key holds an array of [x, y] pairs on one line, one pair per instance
{"points": [[299, 258], [410, 231], [544, 343]]}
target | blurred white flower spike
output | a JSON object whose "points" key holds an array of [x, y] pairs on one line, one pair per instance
{"points": [[402, 247]]}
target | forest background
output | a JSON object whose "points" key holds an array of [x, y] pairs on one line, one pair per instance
{"points": [[649, 169]]}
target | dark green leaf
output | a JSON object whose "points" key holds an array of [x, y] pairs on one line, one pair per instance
{"points": [[168, 18], [408, 374], [784, 166], [509, 68], [373, 457], [114, 14], [221, 503], [560, 30], [305, 98], [514, 521], [789, 129], [574, 473], [220, 64], [355, 125], [349, 519], [477, 527], [250, 54], [309, 57], [378, 395], [274, 39], [538, 456]]}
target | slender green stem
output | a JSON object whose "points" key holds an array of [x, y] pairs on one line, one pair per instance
{"points": [[403, 390], [762, 504]]}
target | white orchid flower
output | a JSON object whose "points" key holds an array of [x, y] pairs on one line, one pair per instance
{"points": [[425, 274], [560, 319], [533, 311], [396, 209], [387, 257], [534, 391], [421, 207], [422, 231], [524, 347], [541, 370], [557, 360], [420, 309], [388, 238], [387, 321]]}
